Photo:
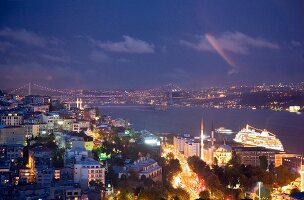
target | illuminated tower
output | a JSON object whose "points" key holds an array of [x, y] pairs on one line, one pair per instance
{"points": [[212, 137], [302, 178], [212, 148], [77, 103], [202, 140]]}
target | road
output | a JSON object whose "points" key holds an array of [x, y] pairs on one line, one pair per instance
{"points": [[187, 179]]}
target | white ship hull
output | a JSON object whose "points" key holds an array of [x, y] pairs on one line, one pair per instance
{"points": [[256, 137]]}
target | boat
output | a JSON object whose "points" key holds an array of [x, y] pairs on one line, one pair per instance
{"points": [[257, 137], [223, 130]]}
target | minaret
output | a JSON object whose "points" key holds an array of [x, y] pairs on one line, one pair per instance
{"points": [[302, 178], [212, 137], [77, 103], [212, 148], [202, 139]]}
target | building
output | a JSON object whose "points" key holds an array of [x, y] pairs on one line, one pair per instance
{"points": [[144, 167], [12, 135], [66, 190], [86, 171], [279, 158], [51, 119], [252, 155], [192, 147], [40, 108], [120, 123], [223, 154], [187, 145], [10, 152], [44, 176], [80, 125], [179, 142], [34, 130], [37, 99], [293, 163], [56, 123], [26, 175], [11, 119], [89, 114], [39, 157]]}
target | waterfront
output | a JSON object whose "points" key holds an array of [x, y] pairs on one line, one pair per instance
{"points": [[287, 126]]}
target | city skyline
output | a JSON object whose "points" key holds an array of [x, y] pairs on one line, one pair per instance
{"points": [[142, 45]]}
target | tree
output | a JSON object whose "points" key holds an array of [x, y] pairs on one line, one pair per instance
{"points": [[173, 168], [235, 160], [263, 162], [284, 175], [204, 195], [294, 190], [58, 158], [179, 194]]}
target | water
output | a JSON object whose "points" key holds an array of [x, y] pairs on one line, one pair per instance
{"points": [[289, 127]]}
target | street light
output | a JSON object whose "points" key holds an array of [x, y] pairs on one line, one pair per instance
{"points": [[259, 184]]}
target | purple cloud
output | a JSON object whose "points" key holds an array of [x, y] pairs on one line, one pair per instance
{"points": [[235, 42], [128, 45], [24, 36]]}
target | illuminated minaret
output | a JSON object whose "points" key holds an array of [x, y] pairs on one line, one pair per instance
{"points": [[212, 137], [202, 140], [212, 148]]}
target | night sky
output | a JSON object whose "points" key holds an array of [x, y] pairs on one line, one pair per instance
{"points": [[140, 44]]}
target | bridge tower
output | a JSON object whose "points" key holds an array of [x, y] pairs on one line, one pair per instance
{"points": [[29, 88]]}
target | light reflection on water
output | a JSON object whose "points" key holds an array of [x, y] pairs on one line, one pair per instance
{"points": [[289, 127]]}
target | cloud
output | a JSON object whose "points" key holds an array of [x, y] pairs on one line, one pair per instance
{"points": [[64, 59], [177, 73], [296, 43], [24, 36], [128, 45], [234, 42], [4, 45], [99, 56]]}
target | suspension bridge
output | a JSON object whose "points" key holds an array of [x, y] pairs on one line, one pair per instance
{"points": [[71, 96]]}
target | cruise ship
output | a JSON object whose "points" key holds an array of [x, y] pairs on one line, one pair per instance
{"points": [[256, 137]]}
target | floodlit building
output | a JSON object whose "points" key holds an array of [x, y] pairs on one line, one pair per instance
{"points": [[11, 119], [192, 147], [223, 154], [145, 167], [86, 171], [279, 157]]}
